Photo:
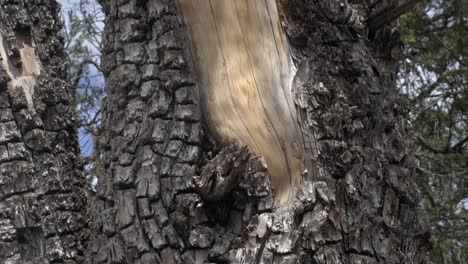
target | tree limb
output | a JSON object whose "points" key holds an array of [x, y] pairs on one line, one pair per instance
{"points": [[392, 11], [449, 149]]}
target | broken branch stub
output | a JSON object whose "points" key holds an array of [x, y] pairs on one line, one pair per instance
{"points": [[245, 72], [221, 174]]}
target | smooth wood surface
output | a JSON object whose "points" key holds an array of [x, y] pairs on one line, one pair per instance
{"points": [[245, 75]]}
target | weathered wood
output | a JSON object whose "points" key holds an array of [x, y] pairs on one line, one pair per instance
{"points": [[245, 74], [24, 75]]}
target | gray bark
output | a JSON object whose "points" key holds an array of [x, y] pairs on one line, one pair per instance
{"points": [[42, 188]]}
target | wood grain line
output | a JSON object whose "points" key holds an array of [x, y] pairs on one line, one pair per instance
{"points": [[245, 75]]}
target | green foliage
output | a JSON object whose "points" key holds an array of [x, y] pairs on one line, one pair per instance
{"points": [[434, 74], [83, 25]]}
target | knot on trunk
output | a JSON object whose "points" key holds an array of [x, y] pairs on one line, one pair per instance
{"points": [[221, 174]]}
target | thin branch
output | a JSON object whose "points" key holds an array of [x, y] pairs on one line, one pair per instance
{"points": [[78, 77], [459, 145], [428, 145], [449, 149], [93, 120], [92, 62]]}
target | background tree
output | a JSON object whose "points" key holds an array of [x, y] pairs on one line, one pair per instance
{"points": [[433, 74], [82, 31], [42, 188]]}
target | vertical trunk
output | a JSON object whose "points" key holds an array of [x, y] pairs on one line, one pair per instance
{"points": [[42, 205], [169, 194]]}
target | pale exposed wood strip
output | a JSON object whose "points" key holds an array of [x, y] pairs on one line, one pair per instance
{"points": [[245, 77], [205, 59], [260, 70], [24, 77]]}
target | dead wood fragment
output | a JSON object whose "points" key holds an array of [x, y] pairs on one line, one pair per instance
{"points": [[221, 174]]}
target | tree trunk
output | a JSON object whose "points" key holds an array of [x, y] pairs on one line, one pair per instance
{"points": [[176, 186], [42, 202], [186, 123], [188, 81]]}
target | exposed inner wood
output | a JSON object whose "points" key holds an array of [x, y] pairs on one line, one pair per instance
{"points": [[23, 77], [245, 73]]}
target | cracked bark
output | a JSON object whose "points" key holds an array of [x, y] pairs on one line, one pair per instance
{"points": [[42, 188]]}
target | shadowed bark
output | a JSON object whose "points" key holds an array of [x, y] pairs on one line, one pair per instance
{"points": [[42, 188]]}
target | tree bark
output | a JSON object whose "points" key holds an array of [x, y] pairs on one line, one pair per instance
{"points": [[42, 188], [173, 191]]}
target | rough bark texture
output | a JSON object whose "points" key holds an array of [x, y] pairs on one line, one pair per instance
{"points": [[42, 205], [361, 206]]}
